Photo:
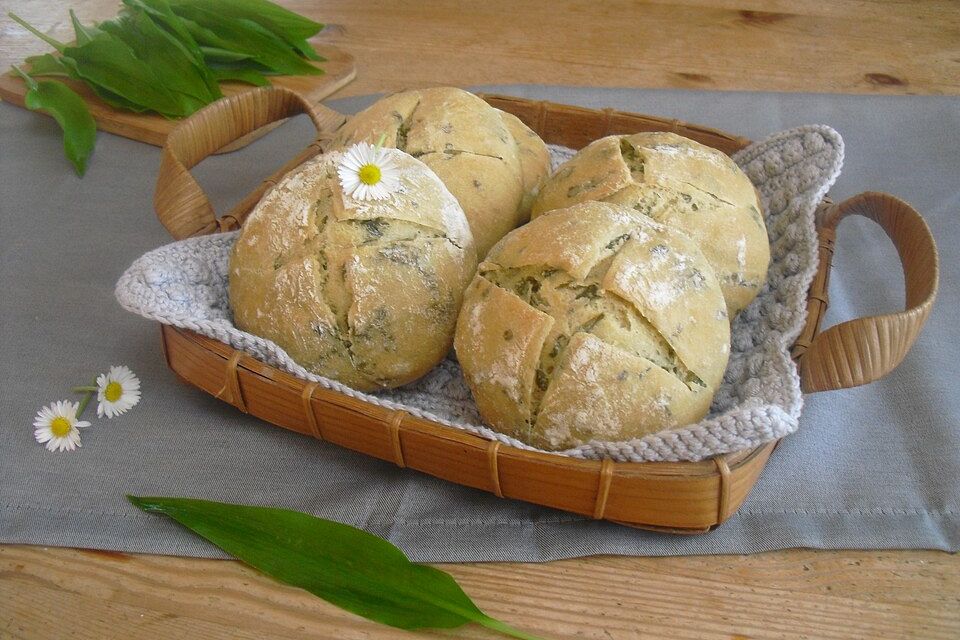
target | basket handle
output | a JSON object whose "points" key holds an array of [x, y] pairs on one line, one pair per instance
{"points": [[860, 351], [181, 205]]}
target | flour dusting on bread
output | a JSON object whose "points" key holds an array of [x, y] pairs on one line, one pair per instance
{"points": [[592, 322], [362, 291]]}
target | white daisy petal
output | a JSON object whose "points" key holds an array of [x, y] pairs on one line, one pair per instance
{"points": [[56, 426], [354, 171], [351, 163], [118, 391]]}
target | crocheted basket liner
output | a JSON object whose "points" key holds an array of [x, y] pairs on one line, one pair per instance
{"points": [[184, 284]]}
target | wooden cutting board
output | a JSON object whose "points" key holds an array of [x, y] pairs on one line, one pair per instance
{"points": [[153, 129]]}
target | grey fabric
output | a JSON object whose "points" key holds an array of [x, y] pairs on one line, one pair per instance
{"points": [[874, 467]]}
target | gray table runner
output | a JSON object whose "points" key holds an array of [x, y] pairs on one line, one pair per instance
{"points": [[874, 467]]}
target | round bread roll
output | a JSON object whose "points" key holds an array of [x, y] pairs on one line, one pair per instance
{"points": [[681, 183], [364, 292], [491, 162], [592, 323]]}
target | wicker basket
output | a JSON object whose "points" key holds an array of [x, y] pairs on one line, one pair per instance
{"points": [[682, 497]]}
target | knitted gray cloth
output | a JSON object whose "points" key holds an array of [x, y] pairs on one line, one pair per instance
{"points": [[184, 284]]}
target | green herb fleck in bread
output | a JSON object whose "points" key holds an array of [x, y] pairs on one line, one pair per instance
{"points": [[592, 322], [491, 162], [362, 291], [681, 183]]}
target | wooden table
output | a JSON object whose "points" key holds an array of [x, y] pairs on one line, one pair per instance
{"points": [[823, 46]]}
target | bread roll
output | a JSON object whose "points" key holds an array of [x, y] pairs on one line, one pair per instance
{"points": [[534, 160], [592, 323], [490, 161], [681, 183], [365, 292]]}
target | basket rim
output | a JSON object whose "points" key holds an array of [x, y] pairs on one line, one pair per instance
{"points": [[702, 468]]}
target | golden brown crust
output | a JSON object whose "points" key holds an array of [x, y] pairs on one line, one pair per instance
{"points": [[680, 183], [569, 243], [534, 159], [503, 377], [598, 391], [669, 281], [364, 292], [487, 186], [618, 322], [474, 148]]}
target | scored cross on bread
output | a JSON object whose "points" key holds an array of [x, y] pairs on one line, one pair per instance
{"points": [[593, 322]]}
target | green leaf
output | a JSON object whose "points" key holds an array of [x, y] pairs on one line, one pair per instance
{"points": [[47, 65], [108, 62], [160, 11], [243, 36], [286, 25], [173, 27], [215, 55], [346, 566], [307, 50], [117, 101], [114, 100], [168, 58], [81, 33], [249, 76], [70, 112], [23, 23], [266, 34]]}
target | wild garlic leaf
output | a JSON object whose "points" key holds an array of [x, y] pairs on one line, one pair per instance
{"points": [[216, 55], [240, 74], [116, 101], [286, 25], [176, 32], [47, 65], [172, 63], [70, 112], [70, 66], [266, 34], [150, 58], [346, 566], [160, 11], [50, 41], [244, 36], [307, 50], [83, 34], [108, 62]]}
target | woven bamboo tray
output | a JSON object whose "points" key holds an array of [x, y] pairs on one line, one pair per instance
{"points": [[683, 497]]}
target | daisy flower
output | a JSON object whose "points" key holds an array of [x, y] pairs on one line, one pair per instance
{"points": [[57, 426], [368, 172], [117, 391]]}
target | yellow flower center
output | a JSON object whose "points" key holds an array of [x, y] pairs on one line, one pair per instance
{"points": [[113, 392], [60, 426], [369, 174]]}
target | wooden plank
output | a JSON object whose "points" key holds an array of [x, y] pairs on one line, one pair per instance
{"points": [[60, 593], [863, 46]]}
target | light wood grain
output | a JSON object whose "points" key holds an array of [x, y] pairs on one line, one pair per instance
{"points": [[857, 46], [796, 594], [781, 45]]}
